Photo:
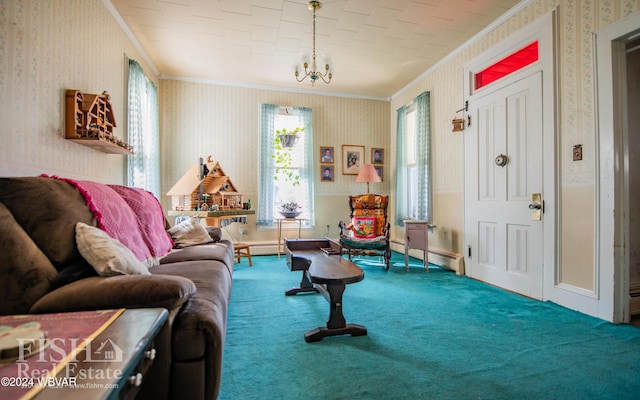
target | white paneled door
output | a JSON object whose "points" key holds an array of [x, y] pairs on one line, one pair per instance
{"points": [[503, 187]]}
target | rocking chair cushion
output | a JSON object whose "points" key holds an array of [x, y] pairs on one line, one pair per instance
{"points": [[364, 227], [379, 242]]}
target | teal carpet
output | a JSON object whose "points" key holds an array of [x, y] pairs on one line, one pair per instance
{"points": [[430, 336]]}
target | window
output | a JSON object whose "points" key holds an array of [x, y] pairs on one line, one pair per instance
{"points": [[410, 149], [513, 62], [413, 158], [295, 182], [143, 167]]}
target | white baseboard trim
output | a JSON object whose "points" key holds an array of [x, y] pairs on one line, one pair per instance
{"points": [[264, 248], [441, 258]]}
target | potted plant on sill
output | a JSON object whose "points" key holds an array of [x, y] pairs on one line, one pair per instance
{"points": [[283, 157]]}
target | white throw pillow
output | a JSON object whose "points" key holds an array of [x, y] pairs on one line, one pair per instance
{"points": [[189, 233], [108, 256]]}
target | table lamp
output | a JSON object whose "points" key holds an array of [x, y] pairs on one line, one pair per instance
{"points": [[368, 174]]}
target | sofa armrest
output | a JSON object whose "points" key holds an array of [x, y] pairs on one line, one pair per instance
{"points": [[122, 291]]}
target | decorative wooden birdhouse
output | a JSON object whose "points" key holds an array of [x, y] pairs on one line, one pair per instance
{"points": [[205, 187]]}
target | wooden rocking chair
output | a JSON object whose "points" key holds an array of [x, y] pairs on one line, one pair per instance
{"points": [[368, 231]]}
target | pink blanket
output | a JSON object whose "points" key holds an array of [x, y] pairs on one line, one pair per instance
{"points": [[129, 216], [150, 218]]}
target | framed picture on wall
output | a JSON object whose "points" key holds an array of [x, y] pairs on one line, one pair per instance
{"points": [[326, 173], [326, 154], [379, 170], [377, 156], [352, 159]]}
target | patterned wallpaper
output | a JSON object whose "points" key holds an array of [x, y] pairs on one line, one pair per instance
{"points": [[578, 21], [47, 47], [200, 119]]}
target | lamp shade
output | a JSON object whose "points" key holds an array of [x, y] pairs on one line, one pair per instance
{"points": [[368, 174]]}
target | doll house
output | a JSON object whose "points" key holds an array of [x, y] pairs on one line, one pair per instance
{"points": [[205, 187]]}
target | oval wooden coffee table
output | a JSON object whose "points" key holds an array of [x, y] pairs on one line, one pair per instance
{"points": [[329, 273]]}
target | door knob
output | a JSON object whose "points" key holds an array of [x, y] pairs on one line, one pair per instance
{"points": [[501, 160], [536, 206]]}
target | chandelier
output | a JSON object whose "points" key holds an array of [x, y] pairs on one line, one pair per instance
{"points": [[312, 71]]}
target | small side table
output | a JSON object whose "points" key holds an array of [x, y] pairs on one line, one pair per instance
{"points": [[416, 236], [279, 220], [132, 337]]}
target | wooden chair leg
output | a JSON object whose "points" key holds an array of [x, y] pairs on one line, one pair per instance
{"points": [[242, 250], [249, 256]]}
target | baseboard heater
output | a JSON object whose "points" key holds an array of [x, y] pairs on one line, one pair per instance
{"points": [[439, 257]]}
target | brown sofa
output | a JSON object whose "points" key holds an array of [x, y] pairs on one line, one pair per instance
{"points": [[42, 271]]}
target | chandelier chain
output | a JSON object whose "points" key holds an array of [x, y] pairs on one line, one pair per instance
{"points": [[314, 39]]}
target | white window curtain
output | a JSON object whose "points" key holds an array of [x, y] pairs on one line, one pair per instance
{"points": [[269, 190], [423, 194], [143, 167]]}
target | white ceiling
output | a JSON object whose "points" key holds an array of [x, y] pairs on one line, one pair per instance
{"points": [[376, 47]]}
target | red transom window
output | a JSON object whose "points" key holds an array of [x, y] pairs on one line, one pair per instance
{"points": [[511, 63]]}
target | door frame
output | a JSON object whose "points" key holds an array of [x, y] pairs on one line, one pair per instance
{"points": [[612, 210], [544, 30]]}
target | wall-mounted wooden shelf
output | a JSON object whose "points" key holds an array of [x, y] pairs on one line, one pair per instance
{"points": [[90, 122], [102, 145]]}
